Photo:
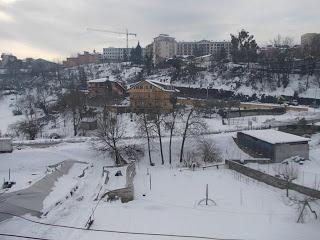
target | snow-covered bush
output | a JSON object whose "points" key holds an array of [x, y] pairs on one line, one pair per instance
{"points": [[208, 152]]}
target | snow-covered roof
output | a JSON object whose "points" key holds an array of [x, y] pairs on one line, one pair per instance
{"points": [[99, 80], [162, 86], [274, 137]]}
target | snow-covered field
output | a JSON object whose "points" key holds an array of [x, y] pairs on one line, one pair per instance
{"points": [[245, 208]]}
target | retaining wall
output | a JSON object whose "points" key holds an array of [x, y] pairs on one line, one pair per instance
{"points": [[125, 194], [271, 180]]}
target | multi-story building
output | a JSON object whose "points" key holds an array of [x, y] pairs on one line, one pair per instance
{"points": [[151, 95], [306, 39], [164, 47], [84, 58], [202, 48], [112, 54]]}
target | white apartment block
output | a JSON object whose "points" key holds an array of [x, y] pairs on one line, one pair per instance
{"points": [[112, 54], [203, 47], [164, 47]]}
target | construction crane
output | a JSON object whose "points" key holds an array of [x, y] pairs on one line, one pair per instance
{"points": [[115, 32]]}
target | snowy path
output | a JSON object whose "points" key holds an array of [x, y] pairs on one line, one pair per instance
{"points": [[31, 199]]}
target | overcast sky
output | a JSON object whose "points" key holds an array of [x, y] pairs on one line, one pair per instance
{"points": [[57, 28]]}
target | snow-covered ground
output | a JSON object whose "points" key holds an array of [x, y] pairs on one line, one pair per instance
{"points": [[6, 115], [245, 208]]}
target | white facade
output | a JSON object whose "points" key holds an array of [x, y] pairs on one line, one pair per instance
{"points": [[203, 47], [164, 47], [115, 54]]}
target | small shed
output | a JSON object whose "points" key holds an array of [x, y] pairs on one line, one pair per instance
{"points": [[6, 145], [273, 144], [88, 124]]}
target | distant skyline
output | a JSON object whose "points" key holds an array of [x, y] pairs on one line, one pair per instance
{"points": [[56, 29]]}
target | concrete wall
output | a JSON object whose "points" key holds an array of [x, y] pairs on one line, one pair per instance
{"points": [[271, 180], [284, 151], [126, 194], [276, 152], [5, 145], [266, 149]]}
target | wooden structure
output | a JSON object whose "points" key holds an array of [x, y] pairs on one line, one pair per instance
{"points": [[151, 95], [105, 87]]}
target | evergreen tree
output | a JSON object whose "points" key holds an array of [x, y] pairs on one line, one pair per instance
{"points": [[136, 55], [133, 55], [244, 47], [221, 54]]}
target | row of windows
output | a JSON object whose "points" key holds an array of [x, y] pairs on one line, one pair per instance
{"points": [[154, 103], [145, 87]]}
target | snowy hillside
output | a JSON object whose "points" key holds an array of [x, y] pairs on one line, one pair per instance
{"points": [[230, 78]]}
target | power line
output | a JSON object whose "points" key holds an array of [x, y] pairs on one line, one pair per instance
{"points": [[120, 232], [22, 236]]}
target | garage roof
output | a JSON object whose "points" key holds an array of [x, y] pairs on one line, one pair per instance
{"points": [[274, 137]]}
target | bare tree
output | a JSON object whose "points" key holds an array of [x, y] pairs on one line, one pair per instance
{"points": [[170, 124], [75, 101], [279, 41], [43, 97], [317, 78], [208, 151], [29, 127], [145, 128], [193, 125], [157, 121], [289, 172], [191, 160], [111, 138]]}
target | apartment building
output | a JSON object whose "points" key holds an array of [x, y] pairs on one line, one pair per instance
{"points": [[84, 58], [201, 48], [112, 54], [164, 47]]}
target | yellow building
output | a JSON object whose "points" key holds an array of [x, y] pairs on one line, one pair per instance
{"points": [[151, 95]]}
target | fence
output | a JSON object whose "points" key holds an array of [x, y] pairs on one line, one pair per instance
{"points": [[271, 180]]}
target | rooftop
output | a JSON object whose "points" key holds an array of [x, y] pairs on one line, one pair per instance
{"points": [[274, 137], [161, 85], [99, 80]]}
